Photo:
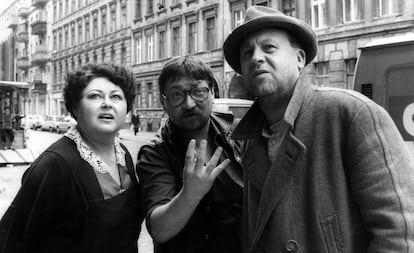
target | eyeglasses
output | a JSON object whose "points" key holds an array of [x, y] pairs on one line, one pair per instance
{"points": [[176, 97]]}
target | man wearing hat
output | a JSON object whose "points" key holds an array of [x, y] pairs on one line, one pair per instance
{"points": [[325, 170]]}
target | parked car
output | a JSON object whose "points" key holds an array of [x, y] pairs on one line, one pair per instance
{"points": [[238, 107], [64, 124], [32, 121], [51, 122]]}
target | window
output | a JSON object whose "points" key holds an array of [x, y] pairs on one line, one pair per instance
{"points": [[123, 16], [54, 12], [150, 7], [54, 41], [138, 96], [66, 39], [161, 45], [211, 33], [150, 47], [238, 16], [318, 13], [289, 7], [387, 7], [138, 50], [73, 5], [87, 29], [103, 55], [95, 58], [73, 36], [176, 41], [350, 10], [113, 18], [138, 7], [350, 72], [60, 9], [66, 7], [80, 4], [95, 25], [79, 32], [123, 55], [103, 21], [60, 41], [150, 95], [192, 37], [322, 73], [113, 55]]}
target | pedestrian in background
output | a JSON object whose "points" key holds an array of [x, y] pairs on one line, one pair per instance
{"points": [[135, 122], [7, 134], [81, 194], [326, 169], [192, 183]]}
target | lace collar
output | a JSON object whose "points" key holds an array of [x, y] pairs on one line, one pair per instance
{"points": [[90, 157]]}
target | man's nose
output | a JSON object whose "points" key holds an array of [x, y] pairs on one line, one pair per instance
{"points": [[189, 101], [258, 55]]}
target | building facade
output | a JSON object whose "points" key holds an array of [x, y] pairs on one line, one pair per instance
{"points": [[144, 34]]}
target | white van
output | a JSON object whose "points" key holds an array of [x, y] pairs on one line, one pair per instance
{"points": [[385, 73]]}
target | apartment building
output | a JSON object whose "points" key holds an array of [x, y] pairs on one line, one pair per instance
{"points": [[144, 34]]}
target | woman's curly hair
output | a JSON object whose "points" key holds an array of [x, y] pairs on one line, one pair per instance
{"points": [[77, 81]]}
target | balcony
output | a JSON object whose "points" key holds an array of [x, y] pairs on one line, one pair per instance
{"points": [[39, 23], [39, 3], [40, 55], [23, 12], [39, 86], [23, 63], [12, 22], [22, 35]]}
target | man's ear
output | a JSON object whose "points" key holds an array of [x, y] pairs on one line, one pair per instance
{"points": [[301, 57], [162, 100]]}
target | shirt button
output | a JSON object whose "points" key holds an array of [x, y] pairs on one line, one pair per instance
{"points": [[291, 246], [208, 208], [206, 237], [238, 159]]}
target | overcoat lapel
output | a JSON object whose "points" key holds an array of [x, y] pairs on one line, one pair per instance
{"points": [[279, 178]]}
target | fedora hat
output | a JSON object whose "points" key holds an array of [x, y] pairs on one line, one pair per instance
{"points": [[259, 17]]}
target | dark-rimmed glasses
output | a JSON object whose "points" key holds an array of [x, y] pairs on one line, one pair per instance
{"points": [[176, 97]]}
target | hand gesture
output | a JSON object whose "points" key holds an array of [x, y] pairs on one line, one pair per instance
{"points": [[199, 176]]}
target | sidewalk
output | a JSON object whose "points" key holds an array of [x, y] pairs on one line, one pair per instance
{"points": [[129, 134]]}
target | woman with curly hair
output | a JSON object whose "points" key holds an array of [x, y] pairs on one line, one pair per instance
{"points": [[81, 195]]}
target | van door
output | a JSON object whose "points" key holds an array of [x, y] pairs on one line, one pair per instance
{"points": [[400, 99]]}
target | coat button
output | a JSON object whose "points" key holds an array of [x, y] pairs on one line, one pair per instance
{"points": [[291, 246]]}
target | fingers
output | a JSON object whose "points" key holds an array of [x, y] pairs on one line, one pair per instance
{"points": [[201, 154], [218, 169], [190, 158], [214, 159]]}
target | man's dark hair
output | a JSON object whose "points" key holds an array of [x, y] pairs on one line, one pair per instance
{"points": [[186, 67], [77, 81]]}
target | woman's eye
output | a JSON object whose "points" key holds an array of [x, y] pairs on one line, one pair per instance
{"points": [[94, 96], [117, 97]]}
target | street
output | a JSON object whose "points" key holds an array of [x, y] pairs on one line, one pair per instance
{"points": [[10, 177]]}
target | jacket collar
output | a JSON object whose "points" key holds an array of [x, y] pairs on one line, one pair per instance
{"points": [[251, 125]]}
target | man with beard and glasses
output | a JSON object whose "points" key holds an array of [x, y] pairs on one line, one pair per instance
{"points": [[191, 180]]}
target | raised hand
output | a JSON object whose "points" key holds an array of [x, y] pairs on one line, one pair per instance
{"points": [[199, 175]]}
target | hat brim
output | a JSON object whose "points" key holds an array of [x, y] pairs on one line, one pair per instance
{"points": [[301, 31]]}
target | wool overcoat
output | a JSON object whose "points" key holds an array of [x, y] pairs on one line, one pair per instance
{"points": [[341, 180]]}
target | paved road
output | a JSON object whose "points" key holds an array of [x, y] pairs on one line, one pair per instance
{"points": [[10, 177]]}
